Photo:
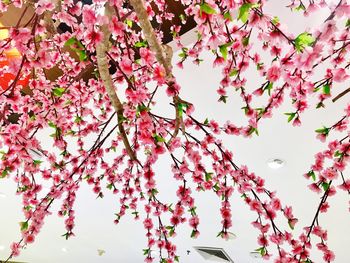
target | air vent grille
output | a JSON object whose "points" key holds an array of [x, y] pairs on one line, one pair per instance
{"points": [[214, 254]]}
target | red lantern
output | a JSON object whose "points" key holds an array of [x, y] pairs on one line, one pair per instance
{"points": [[7, 79]]}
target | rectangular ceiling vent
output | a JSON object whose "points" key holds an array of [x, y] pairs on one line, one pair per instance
{"points": [[213, 254]]}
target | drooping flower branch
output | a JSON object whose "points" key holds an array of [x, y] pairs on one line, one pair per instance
{"points": [[81, 62]]}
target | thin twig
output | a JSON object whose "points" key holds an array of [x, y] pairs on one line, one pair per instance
{"points": [[341, 94]]}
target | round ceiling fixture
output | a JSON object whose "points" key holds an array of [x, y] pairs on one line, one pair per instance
{"points": [[275, 163], [64, 250], [2, 248]]}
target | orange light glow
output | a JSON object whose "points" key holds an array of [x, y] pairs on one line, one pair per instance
{"points": [[7, 78]]}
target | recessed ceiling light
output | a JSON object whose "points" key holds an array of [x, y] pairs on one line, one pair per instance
{"points": [[275, 163], [2, 247], [2, 195], [64, 250]]}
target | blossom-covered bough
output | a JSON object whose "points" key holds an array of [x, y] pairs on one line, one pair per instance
{"points": [[119, 52]]}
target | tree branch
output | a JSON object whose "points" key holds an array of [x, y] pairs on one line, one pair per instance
{"points": [[163, 53], [341, 95], [102, 62]]}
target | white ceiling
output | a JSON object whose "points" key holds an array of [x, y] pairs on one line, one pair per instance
{"points": [[124, 242]]}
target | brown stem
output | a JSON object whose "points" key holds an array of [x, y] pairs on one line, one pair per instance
{"points": [[102, 62], [341, 94]]}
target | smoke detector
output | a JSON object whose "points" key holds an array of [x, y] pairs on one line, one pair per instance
{"points": [[213, 254]]}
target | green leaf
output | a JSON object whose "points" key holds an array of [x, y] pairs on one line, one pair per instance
{"points": [[146, 251], [261, 111], [259, 66], [206, 121], [82, 55], [223, 98], [312, 175], [233, 72], [301, 7], [5, 172], [290, 224], [141, 44], [180, 108], [216, 187], [275, 20], [128, 23], [58, 92], [338, 154], [347, 24], [261, 250], [78, 119], [269, 88], [37, 162], [228, 16], [176, 258], [223, 50], [245, 41], [193, 234], [208, 176], [252, 130], [78, 47], [243, 12], [51, 124], [158, 138], [205, 8], [71, 42], [325, 186], [28, 208], [303, 40], [316, 89], [182, 17], [154, 192], [320, 105], [291, 116], [192, 210], [140, 108], [171, 232], [24, 225], [244, 196], [327, 89], [323, 130]]}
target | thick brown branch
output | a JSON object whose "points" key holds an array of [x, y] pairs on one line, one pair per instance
{"points": [[102, 62], [150, 35], [163, 53]]}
